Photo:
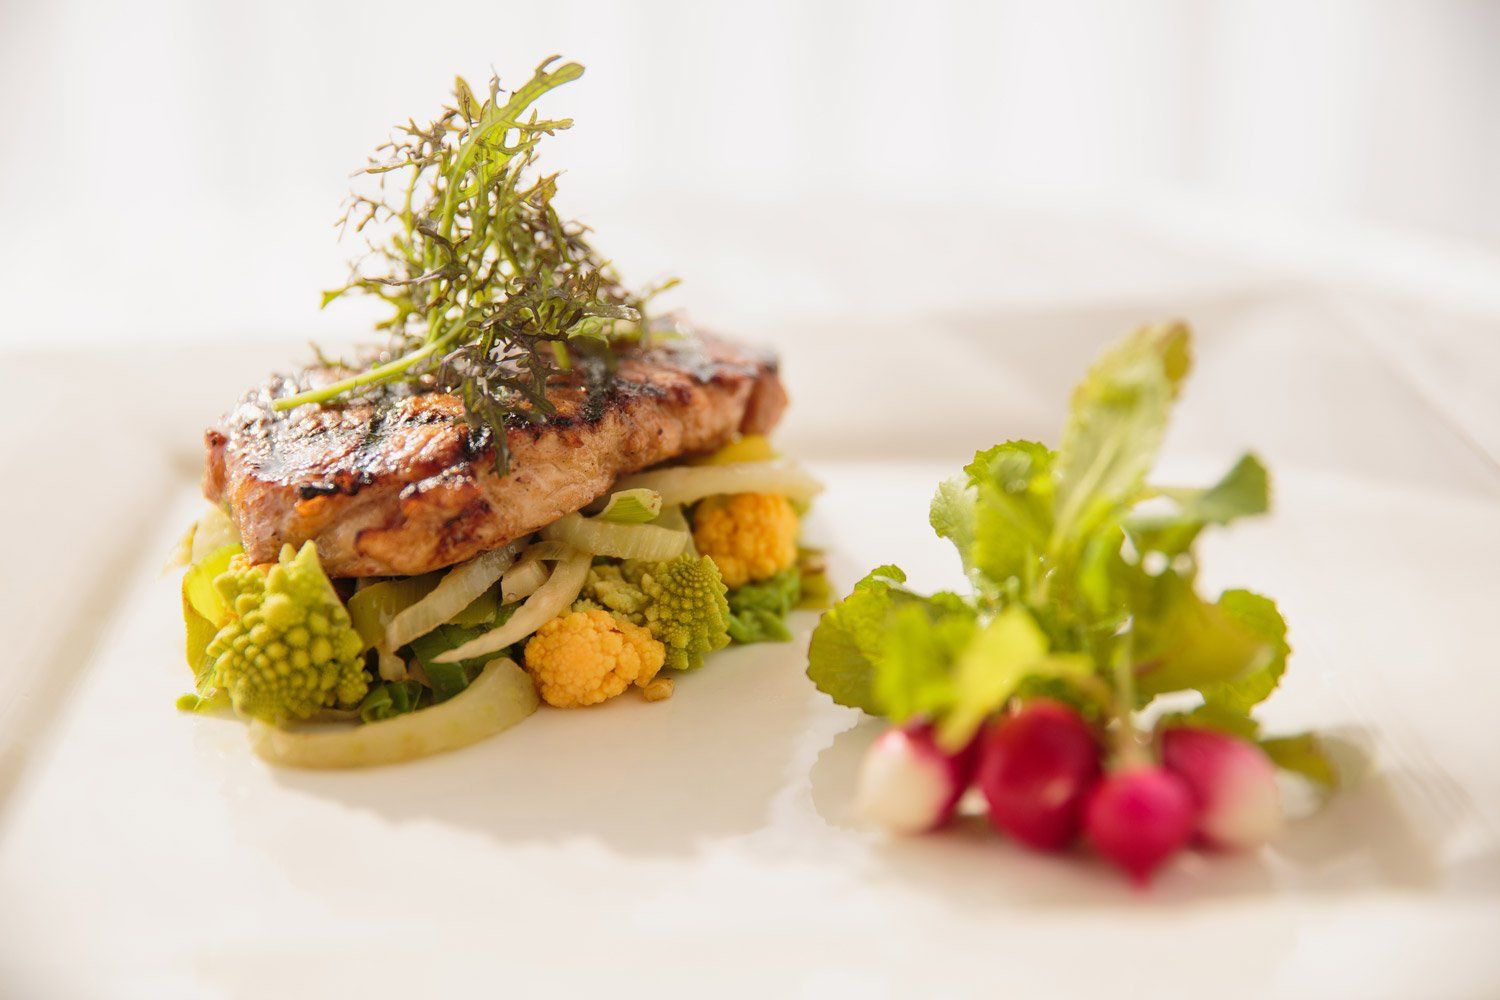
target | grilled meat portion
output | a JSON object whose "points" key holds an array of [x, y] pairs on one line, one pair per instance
{"points": [[398, 485]]}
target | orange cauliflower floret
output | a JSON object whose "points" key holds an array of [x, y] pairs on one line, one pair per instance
{"points": [[749, 536], [586, 657]]}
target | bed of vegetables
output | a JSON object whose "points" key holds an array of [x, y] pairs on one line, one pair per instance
{"points": [[1082, 684], [674, 564]]}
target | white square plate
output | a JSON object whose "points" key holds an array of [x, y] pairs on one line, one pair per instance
{"points": [[704, 846]]}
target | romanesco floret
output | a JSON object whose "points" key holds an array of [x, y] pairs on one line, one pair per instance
{"points": [[686, 608], [749, 536], [615, 587], [585, 657], [290, 649]]}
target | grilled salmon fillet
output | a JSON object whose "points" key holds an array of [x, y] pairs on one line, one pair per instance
{"points": [[397, 485]]}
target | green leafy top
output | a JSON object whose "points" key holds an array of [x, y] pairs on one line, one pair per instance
{"points": [[1083, 572], [491, 291]]}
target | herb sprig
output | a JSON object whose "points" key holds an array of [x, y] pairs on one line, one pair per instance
{"points": [[492, 292]]}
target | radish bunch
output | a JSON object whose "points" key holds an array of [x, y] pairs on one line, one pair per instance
{"points": [[1084, 581], [1046, 780]]}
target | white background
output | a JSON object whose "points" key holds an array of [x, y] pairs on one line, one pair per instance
{"points": [[171, 168]]}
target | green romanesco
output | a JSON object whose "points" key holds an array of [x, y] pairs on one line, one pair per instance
{"points": [[688, 611], [682, 602], [290, 649], [615, 587]]}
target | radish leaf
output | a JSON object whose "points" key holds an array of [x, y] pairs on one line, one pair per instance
{"points": [[848, 640], [1260, 615]]}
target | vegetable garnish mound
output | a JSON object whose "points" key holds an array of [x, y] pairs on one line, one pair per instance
{"points": [[1039, 686], [587, 617]]}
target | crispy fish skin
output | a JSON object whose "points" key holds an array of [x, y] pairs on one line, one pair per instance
{"points": [[397, 487]]}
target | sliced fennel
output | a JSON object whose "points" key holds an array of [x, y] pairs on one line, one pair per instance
{"points": [[673, 519], [481, 611], [459, 588], [374, 605], [213, 531], [631, 507], [522, 580], [181, 555], [528, 573], [687, 484], [392, 667], [501, 696], [623, 541], [198, 588], [550, 600]]}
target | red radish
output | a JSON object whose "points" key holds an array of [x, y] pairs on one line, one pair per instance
{"points": [[1035, 770], [908, 784], [1233, 782], [1140, 816]]}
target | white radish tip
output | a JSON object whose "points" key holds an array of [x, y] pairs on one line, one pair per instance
{"points": [[1234, 783], [905, 787]]}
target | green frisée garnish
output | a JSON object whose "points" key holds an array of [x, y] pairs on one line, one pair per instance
{"points": [[492, 292], [1084, 580]]}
